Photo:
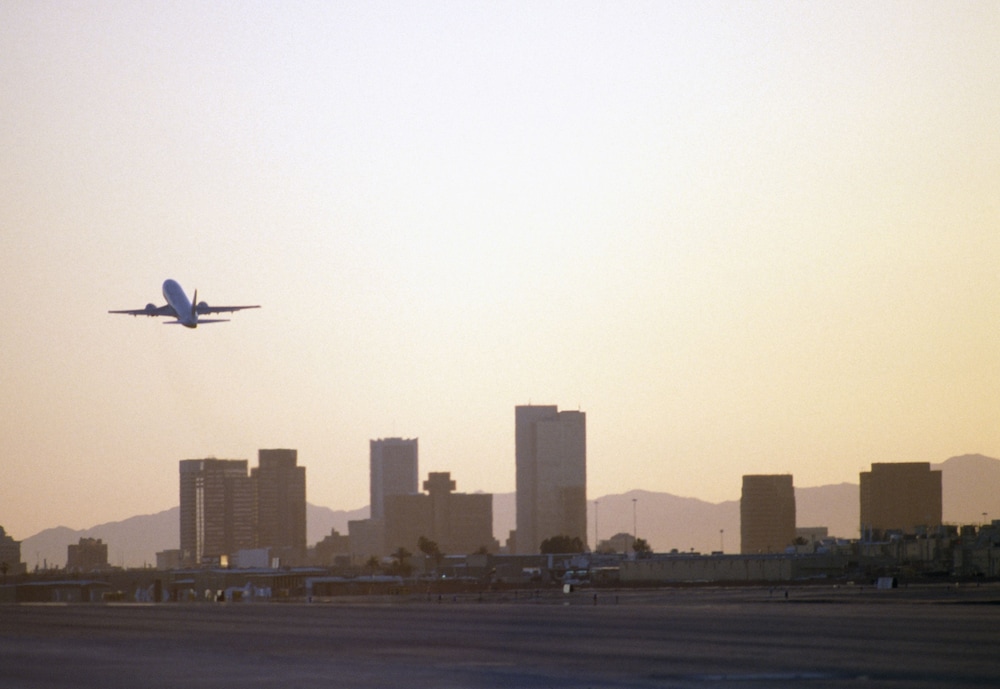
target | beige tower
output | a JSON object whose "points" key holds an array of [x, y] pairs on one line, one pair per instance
{"points": [[551, 463], [767, 514], [392, 471], [899, 497], [280, 504]]}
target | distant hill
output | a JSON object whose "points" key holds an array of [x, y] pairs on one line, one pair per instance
{"points": [[668, 521], [687, 524], [969, 484], [134, 542], [836, 506]]}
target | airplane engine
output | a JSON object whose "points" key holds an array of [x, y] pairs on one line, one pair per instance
{"points": [[151, 309], [202, 306]]}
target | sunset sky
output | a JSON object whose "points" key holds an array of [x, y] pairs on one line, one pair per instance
{"points": [[742, 237]]}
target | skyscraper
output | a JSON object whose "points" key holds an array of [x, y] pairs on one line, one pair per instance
{"points": [[216, 510], [393, 471], [280, 505], [899, 497], [767, 514], [551, 462]]}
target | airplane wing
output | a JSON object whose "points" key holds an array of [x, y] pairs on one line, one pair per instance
{"points": [[150, 310], [205, 308]]}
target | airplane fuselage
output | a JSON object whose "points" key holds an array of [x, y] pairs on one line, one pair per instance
{"points": [[174, 294]]}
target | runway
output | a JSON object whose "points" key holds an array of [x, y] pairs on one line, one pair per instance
{"points": [[733, 638]]}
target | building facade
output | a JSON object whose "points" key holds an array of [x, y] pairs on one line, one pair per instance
{"points": [[551, 466], [901, 497], [86, 556], [392, 471], [366, 538], [10, 555], [280, 504], [460, 523], [767, 514], [216, 509]]}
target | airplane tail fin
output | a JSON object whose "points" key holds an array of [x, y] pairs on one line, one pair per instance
{"points": [[194, 307]]}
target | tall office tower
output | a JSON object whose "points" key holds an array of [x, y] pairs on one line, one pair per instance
{"points": [[280, 507], [217, 515], [551, 462], [767, 514], [899, 497], [393, 471]]}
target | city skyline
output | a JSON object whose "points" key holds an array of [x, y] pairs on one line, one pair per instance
{"points": [[746, 239]]}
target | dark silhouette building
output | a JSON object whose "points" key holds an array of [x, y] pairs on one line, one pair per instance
{"points": [[899, 497], [334, 549], [767, 514], [10, 555], [216, 509], [551, 459], [280, 504], [88, 555]]}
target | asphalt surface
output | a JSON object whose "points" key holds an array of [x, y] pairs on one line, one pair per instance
{"points": [[735, 638]]}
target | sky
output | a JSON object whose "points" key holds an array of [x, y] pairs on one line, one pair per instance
{"points": [[742, 237]]}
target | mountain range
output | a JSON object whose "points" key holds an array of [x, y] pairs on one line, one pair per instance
{"points": [[969, 496]]}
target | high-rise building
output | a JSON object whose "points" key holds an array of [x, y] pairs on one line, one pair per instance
{"points": [[216, 510], [393, 471], [551, 462], [899, 497], [280, 504], [767, 514]]}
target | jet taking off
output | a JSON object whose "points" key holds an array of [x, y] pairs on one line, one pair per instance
{"points": [[186, 312]]}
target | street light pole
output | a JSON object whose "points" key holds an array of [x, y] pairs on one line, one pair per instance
{"points": [[596, 535], [635, 532]]}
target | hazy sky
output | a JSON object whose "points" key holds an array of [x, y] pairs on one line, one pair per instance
{"points": [[742, 237]]}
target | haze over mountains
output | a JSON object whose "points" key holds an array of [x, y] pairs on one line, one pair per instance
{"points": [[969, 487]]}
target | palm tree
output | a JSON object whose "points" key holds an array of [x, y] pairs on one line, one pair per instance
{"points": [[401, 566]]}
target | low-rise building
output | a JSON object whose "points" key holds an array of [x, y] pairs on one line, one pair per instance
{"points": [[10, 555], [88, 555], [459, 523]]}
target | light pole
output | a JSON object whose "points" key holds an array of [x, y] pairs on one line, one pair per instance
{"points": [[722, 540], [596, 536], [635, 533]]}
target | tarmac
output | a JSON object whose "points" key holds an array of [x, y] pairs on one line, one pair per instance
{"points": [[737, 638]]}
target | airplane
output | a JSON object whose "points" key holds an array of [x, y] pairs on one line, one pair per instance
{"points": [[186, 312]]}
